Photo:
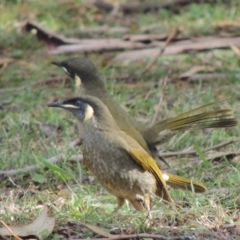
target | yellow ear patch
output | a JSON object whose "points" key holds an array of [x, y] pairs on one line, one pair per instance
{"points": [[78, 81], [88, 113]]}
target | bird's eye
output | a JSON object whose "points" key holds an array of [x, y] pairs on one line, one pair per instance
{"points": [[78, 103]]}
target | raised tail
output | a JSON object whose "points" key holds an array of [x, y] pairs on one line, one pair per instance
{"points": [[195, 119]]}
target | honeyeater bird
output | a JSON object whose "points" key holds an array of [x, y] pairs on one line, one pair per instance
{"points": [[120, 164], [88, 81]]}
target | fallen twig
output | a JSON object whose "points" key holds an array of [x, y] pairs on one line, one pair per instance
{"points": [[59, 44], [141, 236], [197, 44], [101, 45], [193, 152], [170, 37], [192, 161], [209, 76], [151, 37]]}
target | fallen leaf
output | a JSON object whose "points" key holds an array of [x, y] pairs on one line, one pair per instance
{"points": [[41, 227], [59, 203], [97, 230], [227, 24], [5, 61], [13, 234]]}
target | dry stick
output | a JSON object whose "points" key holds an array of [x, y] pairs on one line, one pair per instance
{"points": [[95, 229], [50, 160], [190, 163], [170, 37], [164, 83], [139, 236], [9, 229], [193, 152], [145, 235], [210, 76]]}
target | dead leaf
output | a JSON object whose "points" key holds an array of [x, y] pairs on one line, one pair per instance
{"points": [[96, 229], [41, 227], [179, 85], [5, 61], [227, 24], [59, 203], [9, 229]]}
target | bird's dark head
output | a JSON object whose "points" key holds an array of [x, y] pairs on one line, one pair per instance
{"points": [[86, 108], [78, 106], [83, 72]]}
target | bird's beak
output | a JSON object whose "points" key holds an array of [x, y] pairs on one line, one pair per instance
{"points": [[57, 64], [56, 104], [62, 105]]}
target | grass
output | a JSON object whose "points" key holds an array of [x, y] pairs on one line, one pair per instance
{"points": [[24, 140]]}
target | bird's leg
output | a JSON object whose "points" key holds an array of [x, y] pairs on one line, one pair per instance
{"points": [[120, 202], [147, 205]]}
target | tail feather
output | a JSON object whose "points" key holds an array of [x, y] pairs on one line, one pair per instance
{"points": [[198, 118], [213, 119], [183, 183]]}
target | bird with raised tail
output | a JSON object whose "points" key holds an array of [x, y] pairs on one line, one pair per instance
{"points": [[120, 164]]}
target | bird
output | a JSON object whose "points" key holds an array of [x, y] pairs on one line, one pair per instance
{"points": [[88, 81], [120, 164]]}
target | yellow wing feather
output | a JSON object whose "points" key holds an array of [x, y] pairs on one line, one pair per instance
{"points": [[147, 163]]}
